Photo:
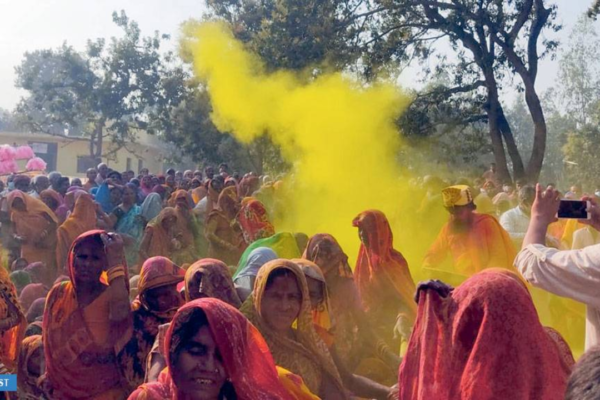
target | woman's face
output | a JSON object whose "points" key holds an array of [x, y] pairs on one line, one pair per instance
{"points": [[19, 205], [198, 371], [89, 262], [315, 289], [147, 180], [155, 181], [182, 202], [281, 303], [202, 285], [116, 196], [128, 196], [34, 363], [50, 202], [163, 298]]}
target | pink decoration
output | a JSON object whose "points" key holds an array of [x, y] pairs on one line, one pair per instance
{"points": [[8, 167], [7, 153], [24, 153], [36, 164]]}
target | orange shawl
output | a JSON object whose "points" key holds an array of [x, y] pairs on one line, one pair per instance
{"points": [[160, 244], [81, 220]]}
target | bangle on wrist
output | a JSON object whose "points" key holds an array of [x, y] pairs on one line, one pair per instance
{"points": [[115, 272]]}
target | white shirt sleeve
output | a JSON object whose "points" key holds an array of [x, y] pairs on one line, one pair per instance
{"points": [[569, 273]]}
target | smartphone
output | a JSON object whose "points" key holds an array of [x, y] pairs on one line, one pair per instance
{"points": [[573, 209]]}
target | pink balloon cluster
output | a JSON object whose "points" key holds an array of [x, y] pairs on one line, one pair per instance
{"points": [[9, 156]]}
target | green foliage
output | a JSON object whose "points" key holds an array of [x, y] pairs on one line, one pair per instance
{"points": [[112, 90], [581, 156]]}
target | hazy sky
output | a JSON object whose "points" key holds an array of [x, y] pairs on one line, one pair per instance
{"points": [[27, 25]]}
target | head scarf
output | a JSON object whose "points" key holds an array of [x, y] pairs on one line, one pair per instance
{"points": [[19, 279], [227, 200], [32, 206], [54, 195], [178, 195], [37, 272], [160, 244], [282, 243], [216, 281], [157, 272], [484, 341], [32, 292], [36, 310], [323, 244], [248, 185], [256, 259], [10, 340], [152, 206], [306, 356], [81, 220], [27, 384], [321, 316], [246, 357], [254, 220], [381, 272]]}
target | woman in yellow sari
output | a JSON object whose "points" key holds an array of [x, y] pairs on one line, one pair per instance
{"points": [[280, 308], [35, 228]]}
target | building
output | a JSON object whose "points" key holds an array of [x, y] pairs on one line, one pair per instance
{"points": [[71, 156]]}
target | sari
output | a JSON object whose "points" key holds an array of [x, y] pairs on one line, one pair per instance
{"points": [[382, 277], [249, 365], [38, 273], [190, 235], [37, 224], [10, 340], [151, 207], [248, 185], [244, 282], [254, 221], [216, 281], [321, 316], [78, 366], [131, 224], [162, 242], [282, 243], [28, 384], [31, 293], [199, 193], [81, 220], [484, 341], [156, 272], [307, 355], [225, 239]]}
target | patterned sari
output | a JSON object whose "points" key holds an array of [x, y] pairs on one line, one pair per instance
{"points": [[215, 282], [10, 340], [482, 342], [156, 272], [254, 220], [307, 355], [78, 365], [248, 363]]}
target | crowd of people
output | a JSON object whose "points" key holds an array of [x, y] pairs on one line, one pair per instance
{"points": [[180, 286]]}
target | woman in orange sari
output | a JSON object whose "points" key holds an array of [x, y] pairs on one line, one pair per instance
{"points": [[81, 220], [225, 240], [190, 234], [87, 322], [482, 341], [12, 322], [34, 227], [161, 237], [382, 277], [30, 370], [254, 220]]}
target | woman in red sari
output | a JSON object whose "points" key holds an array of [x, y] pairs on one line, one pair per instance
{"points": [[483, 341], [382, 277], [213, 353], [87, 321]]}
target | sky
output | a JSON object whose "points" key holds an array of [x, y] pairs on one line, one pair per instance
{"points": [[28, 25]]}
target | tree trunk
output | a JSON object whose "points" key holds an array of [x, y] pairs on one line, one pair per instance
{"points": [[98, 140], [496, 136], [534, 166], [511, 146]]}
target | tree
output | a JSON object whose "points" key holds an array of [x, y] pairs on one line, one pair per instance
{"points": [[109, 92], [594, 9], [7, 121], [581, 154], [579, 74], [491, 40]]}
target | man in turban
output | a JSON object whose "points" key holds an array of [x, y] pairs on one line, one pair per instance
{"points": [[473, 241]]}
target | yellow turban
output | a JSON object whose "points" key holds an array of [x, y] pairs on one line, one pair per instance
{"points": [[455, 196]]}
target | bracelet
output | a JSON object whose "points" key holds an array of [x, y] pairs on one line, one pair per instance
{"points": [[115, 272]]}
